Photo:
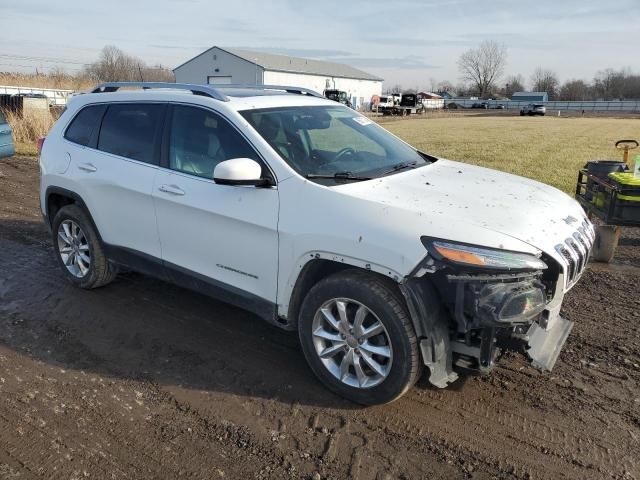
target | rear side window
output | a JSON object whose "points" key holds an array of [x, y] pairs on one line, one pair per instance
{"points": [[84, 125], [132, 131]]}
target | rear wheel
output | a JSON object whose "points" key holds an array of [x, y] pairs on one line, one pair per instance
{"points": [[78, 249], [358, 338]]}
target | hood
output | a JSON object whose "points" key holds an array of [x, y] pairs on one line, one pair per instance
{"points": [[452, 197]]}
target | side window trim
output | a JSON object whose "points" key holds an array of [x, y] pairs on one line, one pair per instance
{"points": [[267, 170], [166, 135], [93, 139]]}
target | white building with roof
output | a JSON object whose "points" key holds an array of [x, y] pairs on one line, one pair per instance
{"points": [[232, 65]]}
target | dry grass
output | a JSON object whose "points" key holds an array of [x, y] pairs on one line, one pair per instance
{"points": [[34, 123], [548, 149], [59, 80]]}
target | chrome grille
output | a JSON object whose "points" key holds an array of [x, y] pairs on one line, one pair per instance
{"points": [[575, 252]]}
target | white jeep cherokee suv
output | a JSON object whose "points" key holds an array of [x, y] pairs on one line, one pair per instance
{"points": [[383, 258]]}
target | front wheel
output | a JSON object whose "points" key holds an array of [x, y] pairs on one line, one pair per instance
{"points": [[358, 339]]}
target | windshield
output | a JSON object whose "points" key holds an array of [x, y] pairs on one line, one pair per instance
{"points": [[328, 140]]}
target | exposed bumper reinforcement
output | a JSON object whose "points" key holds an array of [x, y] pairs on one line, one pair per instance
{"points": [[544, 346]]}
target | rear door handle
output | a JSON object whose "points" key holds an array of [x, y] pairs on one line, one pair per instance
{"points": [[87, 167], [172, 189]]}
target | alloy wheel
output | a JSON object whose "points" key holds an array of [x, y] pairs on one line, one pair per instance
{"points": [[73, 247], [352, 343]]}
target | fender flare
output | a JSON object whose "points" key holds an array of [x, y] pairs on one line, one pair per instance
{"points": [[291, 283], [76, 198]]}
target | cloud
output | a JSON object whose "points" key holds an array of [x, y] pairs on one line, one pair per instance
{"points": [[410, 62], [316, 53]]}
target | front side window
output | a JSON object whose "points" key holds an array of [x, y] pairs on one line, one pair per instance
{"points": [[84, 125], [201, 139], [132, 131], [332, 140]]}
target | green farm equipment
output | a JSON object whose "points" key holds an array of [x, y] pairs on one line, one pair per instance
{"points": [[610, 191]]}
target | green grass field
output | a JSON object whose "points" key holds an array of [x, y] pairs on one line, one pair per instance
{"points": [[548, 149]]}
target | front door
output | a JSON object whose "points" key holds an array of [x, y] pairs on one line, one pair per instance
{"points": [[223, 235]]}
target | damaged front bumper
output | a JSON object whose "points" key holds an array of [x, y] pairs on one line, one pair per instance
{"points": [[482, 315], [544, 346]]}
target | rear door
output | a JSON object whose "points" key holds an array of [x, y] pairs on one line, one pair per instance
{"points": [[226, 236], [115, 173], [6, 139]]}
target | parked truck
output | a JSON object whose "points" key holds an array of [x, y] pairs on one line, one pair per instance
{"points": [[400, 104], [339, 96]]}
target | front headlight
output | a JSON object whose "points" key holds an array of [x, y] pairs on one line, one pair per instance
{"points": [[481, 257]]}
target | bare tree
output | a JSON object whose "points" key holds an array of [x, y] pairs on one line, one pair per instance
{"points": [[611, 84], [483, 66], [397, 88], [114, 65], [575, 90], [514, 83], [545, 81], [445, 86], [59, 77]]}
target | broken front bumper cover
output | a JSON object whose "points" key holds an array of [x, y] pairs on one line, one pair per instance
{"points": [[470, 338], [544, 346]]}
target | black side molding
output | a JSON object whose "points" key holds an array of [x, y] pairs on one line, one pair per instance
{"points": [[182, 277]]}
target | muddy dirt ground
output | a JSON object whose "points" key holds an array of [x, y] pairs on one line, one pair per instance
{"points": [[142, 379]]}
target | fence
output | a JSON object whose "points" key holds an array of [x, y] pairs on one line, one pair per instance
{"points": [[56, 97], [587, 106]]}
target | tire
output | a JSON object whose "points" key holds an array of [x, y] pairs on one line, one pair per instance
{"points": [[98, 271], [365, 385]]}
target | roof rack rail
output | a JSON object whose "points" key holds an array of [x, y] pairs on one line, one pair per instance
{"points": [[204, 90], [285, 88]]}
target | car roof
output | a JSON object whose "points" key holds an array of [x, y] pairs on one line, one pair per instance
{"points": [[237, 98]]}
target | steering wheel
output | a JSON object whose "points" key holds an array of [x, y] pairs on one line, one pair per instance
{"points": [[343, 152], [627, 144]]}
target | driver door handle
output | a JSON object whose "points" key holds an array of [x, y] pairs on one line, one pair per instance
{"points": [[172, 189], [87, 167]]}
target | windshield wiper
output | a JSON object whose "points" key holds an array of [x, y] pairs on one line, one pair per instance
{"points": [[338, 176], [399, 166]]}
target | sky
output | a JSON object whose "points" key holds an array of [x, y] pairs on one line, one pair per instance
{"points": [[409, 42]]}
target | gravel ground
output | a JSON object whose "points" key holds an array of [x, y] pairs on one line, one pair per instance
{"points": [[142, 379]]}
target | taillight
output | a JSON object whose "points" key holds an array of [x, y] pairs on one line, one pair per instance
{"points": [[40, 144]]}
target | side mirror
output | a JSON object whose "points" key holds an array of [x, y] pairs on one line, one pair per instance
{"points": [[238, 171]]}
